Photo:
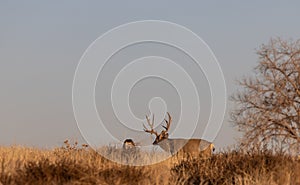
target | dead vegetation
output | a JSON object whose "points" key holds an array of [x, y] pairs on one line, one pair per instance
{"points": [[81, 165], [239, 168], [267, 102]]}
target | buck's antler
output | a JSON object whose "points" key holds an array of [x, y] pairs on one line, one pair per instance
{"points": [[152, 131], [168, 123]]}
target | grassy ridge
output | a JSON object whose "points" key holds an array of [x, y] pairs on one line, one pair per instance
{"points": [[20, 165]]}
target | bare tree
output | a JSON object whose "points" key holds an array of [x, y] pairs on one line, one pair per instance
{"points": [[268, 104]]}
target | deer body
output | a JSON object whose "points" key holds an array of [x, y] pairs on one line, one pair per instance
{"points": [[192, 147]]}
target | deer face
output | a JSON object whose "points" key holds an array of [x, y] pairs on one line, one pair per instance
{"points": [[128, 144], [160, 137]]}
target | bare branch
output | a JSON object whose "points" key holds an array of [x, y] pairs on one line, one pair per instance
{"points": [[268, 108]]}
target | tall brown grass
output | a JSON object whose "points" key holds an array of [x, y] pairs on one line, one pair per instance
{"points": [[239, 168], [81, 165]]}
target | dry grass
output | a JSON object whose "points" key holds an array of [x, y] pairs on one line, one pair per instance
{"points": [[73, 165], [239, 168]]}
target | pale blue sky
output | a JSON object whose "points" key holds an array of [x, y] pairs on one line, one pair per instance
{"points": [[41, 44]]}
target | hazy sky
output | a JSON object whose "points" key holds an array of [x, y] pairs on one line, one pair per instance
{"points": [[41, 44]]}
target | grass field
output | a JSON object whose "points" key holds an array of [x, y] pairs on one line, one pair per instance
{"points": [[77, 165]]}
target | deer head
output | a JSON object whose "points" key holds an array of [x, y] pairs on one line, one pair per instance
{"points": [[163, 134], [128, 144]]}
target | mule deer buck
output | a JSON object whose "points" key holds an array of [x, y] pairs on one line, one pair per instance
{"points": [[190, 147]]}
